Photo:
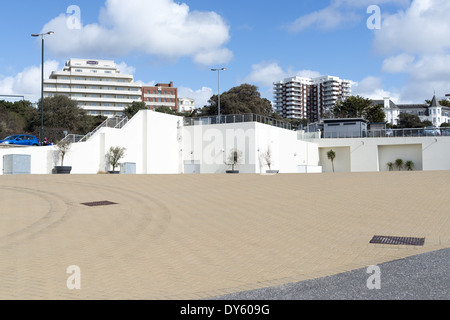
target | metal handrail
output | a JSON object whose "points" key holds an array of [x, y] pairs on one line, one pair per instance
{"points": [[115, 122], [237, 118]]}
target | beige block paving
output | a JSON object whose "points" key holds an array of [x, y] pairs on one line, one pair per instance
{"points": [[197, 236]]}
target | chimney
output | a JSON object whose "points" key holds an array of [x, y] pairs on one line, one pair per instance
{"points": [[387, 103]]}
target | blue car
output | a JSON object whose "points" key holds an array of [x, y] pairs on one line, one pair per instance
{"points": [[21, 140]]}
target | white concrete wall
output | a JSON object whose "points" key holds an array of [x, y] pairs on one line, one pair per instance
{"points": [[150, 138], [210, 145], [159, 144], [365, 155]]}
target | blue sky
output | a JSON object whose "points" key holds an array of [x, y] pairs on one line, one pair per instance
{"points": [[259, 42]]}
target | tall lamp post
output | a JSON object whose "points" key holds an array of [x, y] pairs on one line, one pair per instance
{"points": [[42, 83], [218, 74]]}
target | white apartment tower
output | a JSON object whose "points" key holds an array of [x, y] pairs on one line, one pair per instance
{"points": [[309, 98], [97, 86]]}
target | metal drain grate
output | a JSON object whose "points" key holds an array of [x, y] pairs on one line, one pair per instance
{"points": [[398, 240], [98, 203]]}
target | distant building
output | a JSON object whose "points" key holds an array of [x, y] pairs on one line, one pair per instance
{"points": [[433, 112], [345, 128], [186, 105], [96, 85], [162, 94], [309, 98]]}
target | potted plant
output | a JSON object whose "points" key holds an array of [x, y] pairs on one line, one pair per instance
{"points": [[331, 156], [409, 165], [63, 147], [267, 157], [234, 159], [390, 166], [399, 164], [113, 157]]}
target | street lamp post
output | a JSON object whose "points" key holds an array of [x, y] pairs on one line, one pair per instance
{"points": [[218, 74], [42, 83]]}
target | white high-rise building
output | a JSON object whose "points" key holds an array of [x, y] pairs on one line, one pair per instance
{"points": [[97, 86], [309, 98]]}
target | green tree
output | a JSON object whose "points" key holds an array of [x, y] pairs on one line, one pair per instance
{"points": [[61, 114], [331, 156], [444, 103], [352, 107], [165, 109], [406, 120], [375, 114], [134, 108], [16, 117], [426, 123], [239, 100]]}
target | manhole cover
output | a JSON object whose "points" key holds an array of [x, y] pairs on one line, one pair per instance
{"points": [[98, 203], [398, 240]]}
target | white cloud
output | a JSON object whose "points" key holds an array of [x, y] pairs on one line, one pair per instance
{"points": [[28, 81], [414, 42], [422, 28], [266, 73], [125, 69], [155, 27], [200, 96], [337, 14], [371, 88], [398, 64]]}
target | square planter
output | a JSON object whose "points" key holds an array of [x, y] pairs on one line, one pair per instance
{"points": [[62, 169]]}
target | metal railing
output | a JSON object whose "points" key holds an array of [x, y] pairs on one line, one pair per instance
{"points": [[114, 122], [237, 118], [385, 133]]}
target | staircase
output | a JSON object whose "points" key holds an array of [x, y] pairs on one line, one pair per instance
{"points": [[114, 122]]}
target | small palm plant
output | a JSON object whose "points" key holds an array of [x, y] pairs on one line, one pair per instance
{"points": [[409, 165], [390, 165], [331, 156], [399, 164]]}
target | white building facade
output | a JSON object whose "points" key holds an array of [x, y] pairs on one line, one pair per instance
{"points": [[433, 112], [96, 85], [309, 98], [186, 105]]}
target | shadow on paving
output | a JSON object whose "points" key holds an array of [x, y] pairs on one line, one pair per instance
{"points": [[420, 277]]}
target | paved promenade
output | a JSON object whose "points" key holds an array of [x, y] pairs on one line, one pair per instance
{"points": [[201, 236]]}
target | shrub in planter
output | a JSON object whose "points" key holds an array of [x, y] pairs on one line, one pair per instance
{"points": [[267, 157], [234, 159], [113, 157], [63, 148]]}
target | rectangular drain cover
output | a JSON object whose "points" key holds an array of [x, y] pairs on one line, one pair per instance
{"points": [[98, 203], [398, 240]]}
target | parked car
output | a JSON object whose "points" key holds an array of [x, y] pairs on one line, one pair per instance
{"points": [[445, 131], [431, 131], [21, 140]]}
